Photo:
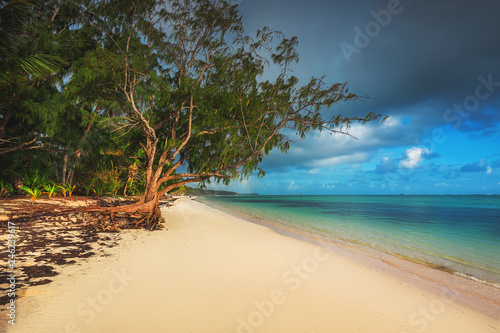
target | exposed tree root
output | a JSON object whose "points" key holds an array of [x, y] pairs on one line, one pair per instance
{"points": [[136, 215]]}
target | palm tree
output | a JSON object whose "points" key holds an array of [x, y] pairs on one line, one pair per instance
{"points": [[14, 34]]}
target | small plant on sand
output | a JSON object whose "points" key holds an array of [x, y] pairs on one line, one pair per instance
{"points": [[67, 188], [35, 193], [63, 190], [50, 189]]}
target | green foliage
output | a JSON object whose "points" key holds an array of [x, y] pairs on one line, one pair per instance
{"points": [[35, 179], [27, 75], [89, 189], [107, 181], [67, 188], [14, 36], [35, 193], [50, 189]]}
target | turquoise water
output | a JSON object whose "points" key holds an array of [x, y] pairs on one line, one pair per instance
{"points": [[458, 232]]}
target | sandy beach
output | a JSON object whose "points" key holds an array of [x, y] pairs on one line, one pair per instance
{"points": [[213, 272]]}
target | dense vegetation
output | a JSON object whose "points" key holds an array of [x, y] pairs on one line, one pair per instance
{"points": [[189, 191], [142, 97]]}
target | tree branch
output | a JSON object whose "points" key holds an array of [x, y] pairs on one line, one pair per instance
{"points": [[20, 146]]}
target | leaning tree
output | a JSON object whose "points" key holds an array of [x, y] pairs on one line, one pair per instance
{"points": [[194, 88]]}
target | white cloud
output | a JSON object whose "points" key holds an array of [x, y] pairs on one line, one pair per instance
{"points": [[323, 149], [339, 160], [489, 170], [414, 156]]}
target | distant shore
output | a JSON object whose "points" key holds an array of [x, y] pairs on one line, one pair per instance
{"points": [[213, 272]]}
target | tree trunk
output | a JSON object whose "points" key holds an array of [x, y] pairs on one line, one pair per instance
{"points": [[65, 166], [150, 199], [56, 170], [71, 172], [152, 203]]}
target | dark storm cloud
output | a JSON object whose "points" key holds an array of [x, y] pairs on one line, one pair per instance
{"points": [[428, 57], [431, 53]]}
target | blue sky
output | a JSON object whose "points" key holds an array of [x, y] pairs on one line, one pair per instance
{"points": [[432, 66]]}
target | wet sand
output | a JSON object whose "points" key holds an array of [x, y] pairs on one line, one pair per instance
{"points": [[213, 272]]}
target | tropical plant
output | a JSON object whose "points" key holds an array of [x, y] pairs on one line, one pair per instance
{"points": [[67, 188], [14, 33], [35, 193], [50, 189]]}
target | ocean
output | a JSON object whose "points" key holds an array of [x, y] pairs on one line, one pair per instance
{"points": [[460, 233]]}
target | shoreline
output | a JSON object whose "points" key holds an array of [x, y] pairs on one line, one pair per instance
{"points": [[212, 272], [429, 273]]}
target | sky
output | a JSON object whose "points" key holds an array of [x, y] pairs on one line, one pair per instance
{"points": [[432, 66]]}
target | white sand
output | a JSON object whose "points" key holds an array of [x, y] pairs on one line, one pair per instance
{"points": [[211, 272]]}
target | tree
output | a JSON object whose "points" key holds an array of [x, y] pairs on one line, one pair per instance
{"points": [[21, 68], [194, 89]]}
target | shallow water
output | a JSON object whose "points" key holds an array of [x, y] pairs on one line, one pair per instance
{"points": [[461, 233]]}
